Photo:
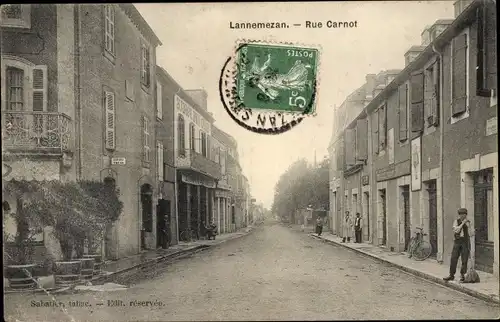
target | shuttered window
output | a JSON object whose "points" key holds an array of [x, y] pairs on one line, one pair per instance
{"points": [[159, 101], [203, 138], [434, 90], [15, 89], [145, 65], [403, 112], [382, 124], [486, 50], [181, 136], [375, 132], [146, 139], [459, 75], [109, 29], [192, 139], [362, 139], [110, 135], [417, 102], [350, 144], [159, 160], [40, 88]]}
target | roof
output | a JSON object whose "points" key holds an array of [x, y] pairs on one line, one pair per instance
{"points": [[160, 71], [464, 19], [140, 22], [224, 137]]}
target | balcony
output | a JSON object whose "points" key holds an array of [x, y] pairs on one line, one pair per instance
{"points": [[204, 165], [30, 132]]}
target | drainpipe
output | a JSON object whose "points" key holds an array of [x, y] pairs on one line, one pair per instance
{"points": [[441, 139]]}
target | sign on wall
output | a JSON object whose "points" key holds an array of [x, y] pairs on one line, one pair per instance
{"points": [[120, 161], [416, 165], [390, 145]]}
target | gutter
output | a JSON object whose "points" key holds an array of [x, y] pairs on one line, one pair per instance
{"points": [[441, 140]]}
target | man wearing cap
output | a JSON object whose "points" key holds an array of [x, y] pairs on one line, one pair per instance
{"points": [[460, 246]]}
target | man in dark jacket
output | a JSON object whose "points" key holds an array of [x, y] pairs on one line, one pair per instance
{"points": [[461, 245]]}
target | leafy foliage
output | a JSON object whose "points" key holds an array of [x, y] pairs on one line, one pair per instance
{"points": [[300, 186], [76, 209]]}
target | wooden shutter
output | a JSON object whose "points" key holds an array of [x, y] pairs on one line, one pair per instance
{"points": [[145, 129], [436, 93], [403, 112], [459, 75], [417, 102], [375, 132], [350, 146], [40, 89], [159, 101], [110, 135], [362, 139], [382, 123]]}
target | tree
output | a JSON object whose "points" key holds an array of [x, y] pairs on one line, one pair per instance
{"points": [[299, 186]]}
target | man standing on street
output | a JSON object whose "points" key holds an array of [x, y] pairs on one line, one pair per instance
{"points": [[357, 228], [319, 225], [461, 245], [347, 228]]}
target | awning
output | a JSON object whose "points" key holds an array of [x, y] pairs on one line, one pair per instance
{"points": [[198, 181]]}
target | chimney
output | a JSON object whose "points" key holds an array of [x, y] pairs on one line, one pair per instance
{"points": [[426, 36], [413, 53], [371, 81], [438, 27], [378, 89], [460, 6], [199, 96]]}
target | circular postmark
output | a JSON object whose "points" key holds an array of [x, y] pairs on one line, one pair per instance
{"points": [[270, 97]]}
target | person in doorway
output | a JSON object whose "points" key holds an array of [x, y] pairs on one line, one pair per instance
{"points": [[319, 225], [357, 228], [461, 245], [166, 233], [347, 228]]}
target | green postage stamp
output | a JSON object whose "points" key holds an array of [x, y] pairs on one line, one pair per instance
{"points": [[280, 78]]}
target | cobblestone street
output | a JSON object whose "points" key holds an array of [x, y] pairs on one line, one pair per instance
{"points": [[273, 273]]}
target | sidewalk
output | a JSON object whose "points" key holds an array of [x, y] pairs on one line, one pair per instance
{"points": [[111, 269], [487, 289]]}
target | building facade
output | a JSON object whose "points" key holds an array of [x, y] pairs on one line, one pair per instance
{"points": [[197, 174], [432, 142]]}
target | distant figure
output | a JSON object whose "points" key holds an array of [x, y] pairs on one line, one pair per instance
{"points": [[347, 228], [319, 225], [358, 223]]}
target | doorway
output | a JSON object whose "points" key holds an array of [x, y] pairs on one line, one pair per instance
{"points": [[383, 216], [147, 212], [433, 238], [163, 216], [483, 220], [405, 192], [366, 215]]}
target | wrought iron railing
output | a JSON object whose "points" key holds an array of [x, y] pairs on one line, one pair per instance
{"points": [[24, 131]]}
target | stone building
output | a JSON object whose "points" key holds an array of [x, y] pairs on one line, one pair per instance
{"points": [[432, 142]]}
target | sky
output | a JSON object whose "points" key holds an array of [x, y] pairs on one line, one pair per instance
{"points": [[197, 40]]}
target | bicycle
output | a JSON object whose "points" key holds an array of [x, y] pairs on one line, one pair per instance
{"points": [[419, 249], [187, 235]]}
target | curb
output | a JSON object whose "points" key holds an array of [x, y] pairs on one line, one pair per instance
{"points": [[412, 271]]}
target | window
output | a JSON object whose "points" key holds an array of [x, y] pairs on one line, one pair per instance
{"points": [[431, 94], [16, 16], [361, 139], [109, 29], [145, 65], [15, 89], [203, 137], [382, 124], [181, 136], [159, 160], [403, 113], [223, 161], [192, 138], [459, 75], [417, 102], [350, 140], [486, 74], [146, 135], [159, 101], [110, 135]]}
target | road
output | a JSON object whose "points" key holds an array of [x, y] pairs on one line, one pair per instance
{"points": [[273, 273]]}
